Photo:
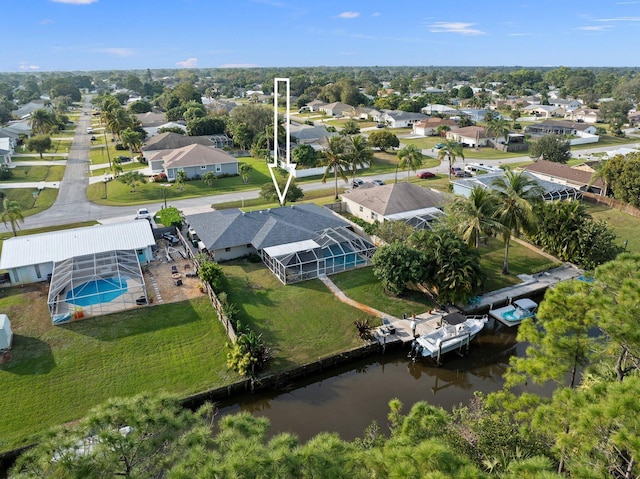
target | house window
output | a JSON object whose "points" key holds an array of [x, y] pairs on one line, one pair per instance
{"points": [[203, 167], [249, 245], [37, 268], [374, 215], [361, 209], [227, 249], [218, 168]]}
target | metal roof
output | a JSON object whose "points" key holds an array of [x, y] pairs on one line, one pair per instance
{"points": [[60, 245], [289, 248]]}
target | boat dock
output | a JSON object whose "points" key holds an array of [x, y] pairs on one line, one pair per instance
{"points": [[399, 329], [532, 285]]}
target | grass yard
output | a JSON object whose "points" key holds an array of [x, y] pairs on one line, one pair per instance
{"points": [[31, 204], [303, 321], [522, 260], [36, 173], [362, 286], [57, 373], [625, 226]]}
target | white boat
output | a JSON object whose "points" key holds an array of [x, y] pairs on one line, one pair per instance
{"points": [[513, 314], [456, 333]]}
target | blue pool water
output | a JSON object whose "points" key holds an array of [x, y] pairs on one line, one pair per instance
{"points": [[98, 291]]}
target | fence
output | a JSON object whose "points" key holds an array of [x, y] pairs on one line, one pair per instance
{"points": [[213, 297], [611, 203]]}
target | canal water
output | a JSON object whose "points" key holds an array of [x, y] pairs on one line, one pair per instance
{"points": [[347, 399]]}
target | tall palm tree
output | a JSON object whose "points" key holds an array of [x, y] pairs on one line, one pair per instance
{"points": [[518, 193], [335, 158], [498, 127], [11, 213], [358, 154], [410, 158], [131, 139], [474, 216], [118, 121], [451, 150], [41, 121]]}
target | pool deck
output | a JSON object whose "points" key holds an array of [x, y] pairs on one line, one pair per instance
{"points": [[399, 329]]}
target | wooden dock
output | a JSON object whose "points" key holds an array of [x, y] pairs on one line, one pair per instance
{"points": [[399, 330]]}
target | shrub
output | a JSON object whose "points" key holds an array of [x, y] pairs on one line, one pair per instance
{"points": [[121, 147], [160, 178]]}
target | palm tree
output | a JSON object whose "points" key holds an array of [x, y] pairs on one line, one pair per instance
{"points": [[410, 158], [132, 139], [12, 213], [41, 121], [358, 154], [452, 150], [498, 127], [245, 169], [517, 195], [335, 158], [475, 216], [181, 178], [117, 121]]}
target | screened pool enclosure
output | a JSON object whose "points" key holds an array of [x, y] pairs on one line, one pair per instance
{"points": [[95, 284], [332, 251]]}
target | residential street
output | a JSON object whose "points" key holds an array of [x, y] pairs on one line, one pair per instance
{"points": [[72, 205]]}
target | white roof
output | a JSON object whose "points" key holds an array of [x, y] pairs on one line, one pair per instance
{"points": [[59, 245], [288, 248], [410, 214], [526, 303]]}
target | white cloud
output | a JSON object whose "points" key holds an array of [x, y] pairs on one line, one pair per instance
{"points": [[75, 2], [627, 3], [455, 27], [120, 52], [239, 65], [349, 15], [619, 19], [375, 14], [188, 63], [595, 28], [519, 34], [25, 67]]}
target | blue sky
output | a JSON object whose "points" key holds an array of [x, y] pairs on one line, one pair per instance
{"points": [[46, 35]]}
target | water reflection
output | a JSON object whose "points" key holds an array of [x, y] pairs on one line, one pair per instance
{"points": [[347, 399]]}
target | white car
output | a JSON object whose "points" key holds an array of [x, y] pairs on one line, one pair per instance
{"points": [[143, 214]]}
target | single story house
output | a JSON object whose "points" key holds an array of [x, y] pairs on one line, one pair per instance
{"points": [[561, 127], [552, 191], [153, 130], [171, 141], [337, 109], [6, 150], [401, 119], [566, 175], [296, 242], [315, 105], [151, 119], [398, 201], [430, 126], [31, 258], [368, 113], [469, 136], [586, 115], [544, 111], [195, 160], [437, 109]]}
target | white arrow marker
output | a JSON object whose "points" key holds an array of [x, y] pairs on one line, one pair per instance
{"points": [[287, 163]]}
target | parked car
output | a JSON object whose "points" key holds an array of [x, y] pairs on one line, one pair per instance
{"points": [[460, 173], [93, 138], [123, 159], [378, 182], [173, 239], [357, 182], [426, 174], [437, 146], [380, 125], [143, 213], [90, 130]]}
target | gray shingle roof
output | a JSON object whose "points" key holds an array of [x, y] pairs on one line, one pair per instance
{"points": [[396, 198], [231, 227]]}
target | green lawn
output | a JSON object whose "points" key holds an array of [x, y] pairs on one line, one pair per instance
{"points": [[304, 321], [362, 286], [625, 226], [57, 373], [522, 260], [36, 173], [30, 200]]}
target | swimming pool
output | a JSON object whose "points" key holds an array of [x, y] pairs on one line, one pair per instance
{"points": [[98, 291]]}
